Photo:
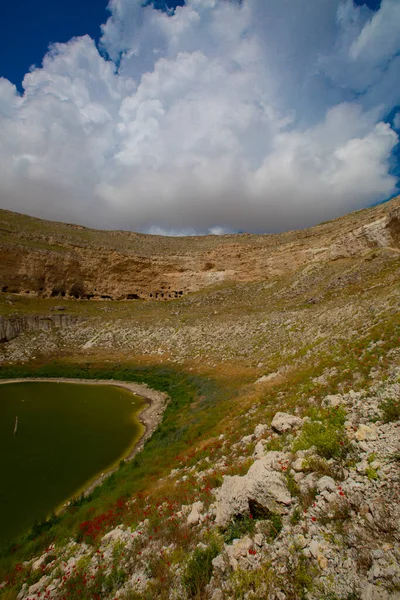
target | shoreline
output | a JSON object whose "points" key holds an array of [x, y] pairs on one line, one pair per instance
{"points": [[150, 416]]}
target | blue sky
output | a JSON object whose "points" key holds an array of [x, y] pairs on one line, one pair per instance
{"points": [[254, 115], [27, 28]]}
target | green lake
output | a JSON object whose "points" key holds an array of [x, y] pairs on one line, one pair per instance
{"points": [[67, 435]]}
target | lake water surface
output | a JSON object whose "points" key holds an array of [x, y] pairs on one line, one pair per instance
{"points": [[68, 434]]}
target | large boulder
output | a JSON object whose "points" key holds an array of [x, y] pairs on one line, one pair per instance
{"points": [[263, 487], [282, 422]]}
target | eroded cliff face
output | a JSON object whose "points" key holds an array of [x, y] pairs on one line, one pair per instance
{"points": [[42, 258], [11, 327]]}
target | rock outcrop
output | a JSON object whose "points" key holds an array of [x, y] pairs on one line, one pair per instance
{"points": [[11, 327], [42, 258], [263, 489], [282, 422]]}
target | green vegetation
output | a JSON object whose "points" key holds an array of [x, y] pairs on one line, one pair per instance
{"points": [[295, 517], [391, 410], [371, 473], [199, 570], [239, 526], [271, 527], [253, 585], [326, 432]]}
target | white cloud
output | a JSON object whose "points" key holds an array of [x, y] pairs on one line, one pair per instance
{"points": [[258, 116]]}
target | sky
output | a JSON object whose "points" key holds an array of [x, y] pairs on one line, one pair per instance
{"points": [[211, 116]]}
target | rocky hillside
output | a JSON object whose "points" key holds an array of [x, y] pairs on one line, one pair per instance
{"points": [[275, 473], [43, 258], [319, 517]]}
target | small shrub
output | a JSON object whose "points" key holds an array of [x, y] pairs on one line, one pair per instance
{"points": [[208, 266], [326, 433], [391, 410], [295, 517], [371, 473], [239, 526], [316, 464], [199, 570], [80, 500], [253, 585], [275, 526], [338, 513], [299, 577], [292, 486], [42, 526], [307, 497], [276, 444]]}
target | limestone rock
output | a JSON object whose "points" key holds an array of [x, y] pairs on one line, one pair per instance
{"points": [[333, 399], [217, 595], [262, 485], [283, 422], [247, 439], [374, 592], [259, 450], [326, 483], [219, 564], [366, 432], [238, 552], [314, 548], [297, 465], [194, 517], [260, 430], [308, 482]]}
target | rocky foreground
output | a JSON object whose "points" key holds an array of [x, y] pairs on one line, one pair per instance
{"points": [[275, 473], [315, 514]]}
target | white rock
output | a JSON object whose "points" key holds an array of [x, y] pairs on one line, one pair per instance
{"points": [[301, 540], [259, 450], [195, 516], [308, 482], [247, 439], [260, 429], [282, 422], [266, 378], [366, 432], [39, 562], [333, 399], [315, 548], [219, 564], [326, 483], [364, 447], [239, 551], [374, 592], [297, 465], [113, 536], [362, 466], [261, 484]]}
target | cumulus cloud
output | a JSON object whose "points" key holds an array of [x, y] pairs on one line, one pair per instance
{"points": [[259, 115]]}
